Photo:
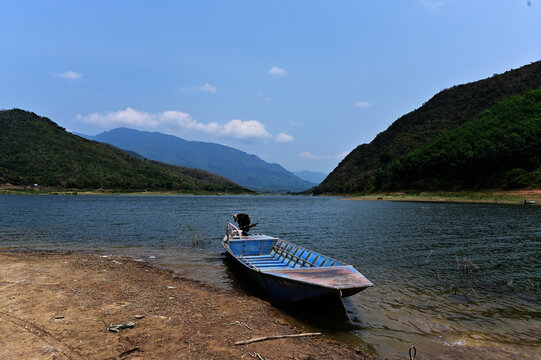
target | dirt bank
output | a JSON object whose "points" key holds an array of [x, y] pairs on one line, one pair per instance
{"points": [[59, 306]]}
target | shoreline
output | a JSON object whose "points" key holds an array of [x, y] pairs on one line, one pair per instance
{"points": [[60, 305], [510, 197], [31, 192], [501, 197]]}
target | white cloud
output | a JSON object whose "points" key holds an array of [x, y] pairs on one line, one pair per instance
{"points": [[140, 119], [295, 123], [71, 75], [276, 71], [205, 88], [245, 129], [432, 5], [128, 117], [342, 154], [284, 138], [177, 120], [362, 104], [263, 97], [310, 156]]}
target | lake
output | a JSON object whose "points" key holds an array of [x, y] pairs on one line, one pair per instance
{"points": [[458, 281]]}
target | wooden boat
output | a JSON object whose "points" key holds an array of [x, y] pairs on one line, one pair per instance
{"points": [[288, 272]]}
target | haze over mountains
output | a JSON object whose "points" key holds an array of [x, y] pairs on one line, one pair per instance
{"points": [[311, 176], [244, 169]]}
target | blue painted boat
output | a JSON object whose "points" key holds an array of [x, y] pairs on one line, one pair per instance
{"points": [[288, 272]]}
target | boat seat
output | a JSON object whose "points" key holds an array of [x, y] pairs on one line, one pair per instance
{"points": [[272, 267], [258, 257], [267, 263]]}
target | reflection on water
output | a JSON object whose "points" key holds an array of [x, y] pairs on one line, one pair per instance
{"points": [[458, 281]]}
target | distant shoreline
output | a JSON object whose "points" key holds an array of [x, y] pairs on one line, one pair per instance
{"points": [[501, 197], [54, 191], [507, 197]]}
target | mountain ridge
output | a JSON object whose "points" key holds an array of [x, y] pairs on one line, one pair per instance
{"points": [[245, 169]]}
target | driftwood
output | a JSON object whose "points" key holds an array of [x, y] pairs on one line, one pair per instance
{"points": [[274, 337], [257, 355], [239, 323]]}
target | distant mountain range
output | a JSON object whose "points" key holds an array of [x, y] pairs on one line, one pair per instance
{"points": [[244, 169], [481, 135], [35, 150]]}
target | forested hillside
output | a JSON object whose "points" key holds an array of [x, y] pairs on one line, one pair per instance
{"points": [[361, 170], [501, 148], [34, 149]]}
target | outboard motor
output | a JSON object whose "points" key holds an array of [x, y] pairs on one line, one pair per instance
{"points": [[244, 223]]}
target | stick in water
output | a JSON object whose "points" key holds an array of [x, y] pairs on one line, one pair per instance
{"points": [[274, 337]]}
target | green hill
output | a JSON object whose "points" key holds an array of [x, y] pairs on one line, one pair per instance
{"points": [[501, 148], [361, 170], [34, 149]]}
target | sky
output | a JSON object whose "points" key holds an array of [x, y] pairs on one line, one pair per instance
{"points": [[300, 83]]}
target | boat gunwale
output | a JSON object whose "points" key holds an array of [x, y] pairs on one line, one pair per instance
{"points": [[239, 237]]}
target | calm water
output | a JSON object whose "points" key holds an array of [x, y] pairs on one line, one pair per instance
{"points": [[458, 281]]}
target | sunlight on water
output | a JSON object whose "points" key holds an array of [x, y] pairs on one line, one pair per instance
{"points": [[458, 281]]}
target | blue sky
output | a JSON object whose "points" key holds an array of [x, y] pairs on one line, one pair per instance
{"points": [[300, 83]]}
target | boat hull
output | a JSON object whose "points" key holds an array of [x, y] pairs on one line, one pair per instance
{"points": [[290, 273], [284, 290]]}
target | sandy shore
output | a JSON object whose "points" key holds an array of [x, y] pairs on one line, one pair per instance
{"points": [[60, 306]]}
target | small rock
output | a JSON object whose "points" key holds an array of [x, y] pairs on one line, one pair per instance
{"points": [[117, 328]]}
